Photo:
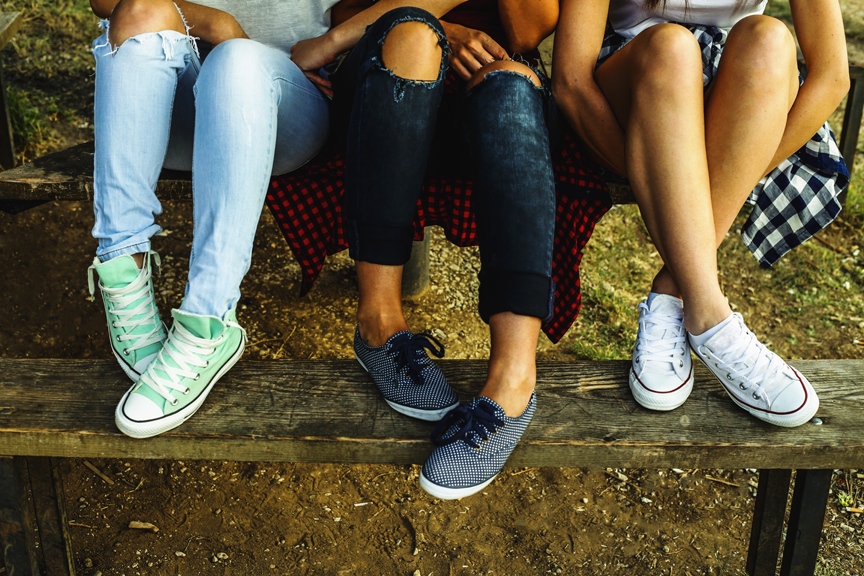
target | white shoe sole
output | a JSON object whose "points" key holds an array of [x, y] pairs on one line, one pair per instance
{"points": [[451, 493], [660, 401], [419, 413], [158, 426]]}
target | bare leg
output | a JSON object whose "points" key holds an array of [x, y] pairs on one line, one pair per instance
{"points": [[755, 87], [512, 364], [133, 17], [654, 85]]}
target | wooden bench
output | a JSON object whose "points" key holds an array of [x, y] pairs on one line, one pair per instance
{"points": [[329, 411]]}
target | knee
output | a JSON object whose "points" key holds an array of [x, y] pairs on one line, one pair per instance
{"points": [[666, 55], [767, 50], [506, 66], [412, 49], [133, 17], [233, 64]]}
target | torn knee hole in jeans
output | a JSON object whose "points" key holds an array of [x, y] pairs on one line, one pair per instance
{"points": [[169, 38], [404, 83], [505, 72]]}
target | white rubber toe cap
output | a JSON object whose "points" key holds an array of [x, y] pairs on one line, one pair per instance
{"points": [[139, 408]]}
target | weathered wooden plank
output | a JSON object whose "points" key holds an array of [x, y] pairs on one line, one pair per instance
{"points": [[10, 23], [68, 175], [329, 411]]}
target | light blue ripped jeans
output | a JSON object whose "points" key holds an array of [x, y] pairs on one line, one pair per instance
{"points": [[250, 112]]}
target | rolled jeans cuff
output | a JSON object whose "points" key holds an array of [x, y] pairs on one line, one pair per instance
{"points": [[383, 245], [524, 294]]}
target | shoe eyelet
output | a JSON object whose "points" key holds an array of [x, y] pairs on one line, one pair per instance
{"points": [[716, 365], [113, 324], [125, 351], [729, 377], [117, 338], [186, 392], [206, 363], [742, 387], [478, 447], [681, 363], [197, 376], [755, 397], [637, 359], [174, 402]]}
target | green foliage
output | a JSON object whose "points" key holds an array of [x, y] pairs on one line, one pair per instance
{"points": [[845, 499], [27, 122]]}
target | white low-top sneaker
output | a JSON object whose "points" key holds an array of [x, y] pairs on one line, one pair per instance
{"points": [[661, 376], [757, 379]]}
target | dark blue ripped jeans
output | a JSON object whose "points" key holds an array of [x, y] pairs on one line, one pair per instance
{"points": [[496, 134]]}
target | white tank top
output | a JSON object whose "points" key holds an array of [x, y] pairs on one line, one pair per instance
{"points": [[630, 17], [277, 23]]}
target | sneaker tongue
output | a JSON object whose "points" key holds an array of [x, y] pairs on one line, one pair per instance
{"points": [[206, 327], [118, 271], [668, 306]]}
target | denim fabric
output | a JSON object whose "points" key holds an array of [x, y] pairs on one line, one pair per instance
{"points": [[497, 135], [390, 123], [250, 112]]}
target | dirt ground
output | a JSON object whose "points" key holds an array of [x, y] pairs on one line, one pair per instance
{"points": [[325, 519]]}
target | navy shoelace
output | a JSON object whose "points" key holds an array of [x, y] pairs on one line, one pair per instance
{"points": [[478, 422], [406, 352]]}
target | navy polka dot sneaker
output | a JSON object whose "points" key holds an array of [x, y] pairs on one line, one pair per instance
{"points": [[409, 381], [478, 440]]}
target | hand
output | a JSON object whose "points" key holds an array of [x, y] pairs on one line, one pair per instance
{"points": [[313, 54], [471, 49]]}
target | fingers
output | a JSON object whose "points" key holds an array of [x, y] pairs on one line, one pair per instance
{"points": [[323, 84]]}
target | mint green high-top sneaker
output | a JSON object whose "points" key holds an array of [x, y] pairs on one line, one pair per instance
{"points": [[199, 350], [135, 329]]}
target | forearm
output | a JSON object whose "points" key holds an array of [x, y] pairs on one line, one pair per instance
{"points": [[816, 101], [527, 22], [591, 117]]}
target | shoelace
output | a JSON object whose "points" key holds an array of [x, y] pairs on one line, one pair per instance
{"points": [[187, 351], [406, 353], [478, 423], [753, 367], [653, 347], [120, 298]]}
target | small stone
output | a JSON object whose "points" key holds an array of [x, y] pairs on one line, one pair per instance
{"points": [[88, 563], [222, 556], [417, 573], [179, 554], [584, 500], [646, 500], [666, 549], [214, 559]]}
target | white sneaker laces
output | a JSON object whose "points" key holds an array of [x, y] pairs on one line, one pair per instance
{"points": [[748, 362], [655, 343], [188, 352], [120, 298]]}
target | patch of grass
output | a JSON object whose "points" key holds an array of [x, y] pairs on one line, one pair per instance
{"points": [[27, 123]]}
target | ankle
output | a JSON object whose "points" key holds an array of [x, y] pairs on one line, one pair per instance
{"points": [[511, 390], [376, 329], [139, 259]]}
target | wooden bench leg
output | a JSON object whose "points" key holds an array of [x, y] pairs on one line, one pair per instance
{"points": [[16, 519], [768, 516], [50, 504], [851, 125], [7, 145], [806, 516], [415, 275]]}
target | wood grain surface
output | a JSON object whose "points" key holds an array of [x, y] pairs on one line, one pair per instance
{"points": [[10, 23], [329, 411]]}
